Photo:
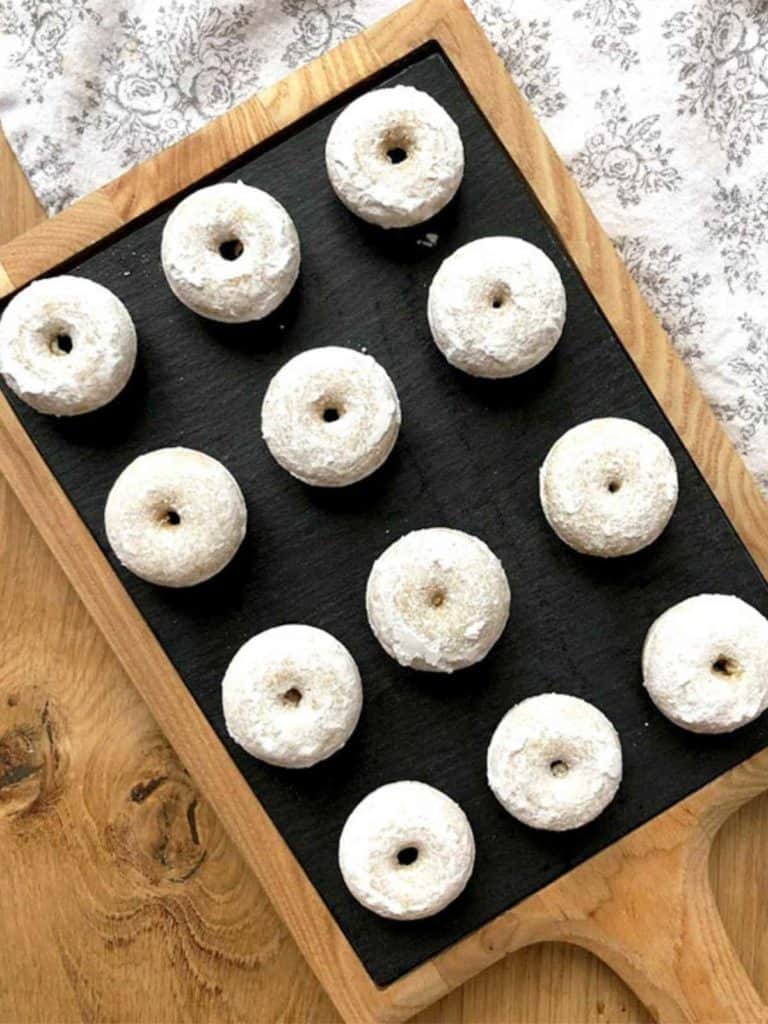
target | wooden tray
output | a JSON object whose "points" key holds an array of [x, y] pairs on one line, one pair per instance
{"points": [[657, 872]]}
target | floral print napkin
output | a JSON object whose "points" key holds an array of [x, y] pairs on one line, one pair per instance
{"points": [[659, 108]]}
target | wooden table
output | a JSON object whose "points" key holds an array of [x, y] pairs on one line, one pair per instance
{"points": [[122, 898]]}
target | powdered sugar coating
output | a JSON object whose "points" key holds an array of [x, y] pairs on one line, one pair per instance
{"points": [[248, 287], [175, 517], [406, 816], [496, 307], [67, 345], [705, 663], [407, 122], [608, 487], [437, 600], [292, 696], [554, 762], [331, 416]]}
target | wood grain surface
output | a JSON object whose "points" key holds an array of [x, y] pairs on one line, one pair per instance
{"points": [[123, 899]]}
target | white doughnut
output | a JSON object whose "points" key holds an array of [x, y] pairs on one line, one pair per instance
{"points": [[230, 252], [175, 517], [292, 696], [406, 851], [330, 416], [608, 487], [437, 600], [705, 663], [67, 345], [394, 157], [496, 307], [554, 762]]}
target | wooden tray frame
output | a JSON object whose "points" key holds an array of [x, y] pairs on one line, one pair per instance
{"points": [[644, 904]]}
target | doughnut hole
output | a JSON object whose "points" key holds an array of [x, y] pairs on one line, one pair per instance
{"points": [[559, 768], [612, 476], [231, 249], [168, 517], [500, 296], [329, 409], [726, 667], [425, 603], [407, 855], [292, 697], [61, 343], [396, 147]]}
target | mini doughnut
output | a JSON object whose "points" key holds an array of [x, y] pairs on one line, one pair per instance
{"points": [[175, 517], [394, 157], [230, 252], [292, 696], [67, 345], [705, 663], [330, 416], [406, 851], [496, 307], [554, 762], [437, 600], [608, 487]]}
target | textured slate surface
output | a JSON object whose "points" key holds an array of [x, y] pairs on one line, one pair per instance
{"points": [[467, 457]]}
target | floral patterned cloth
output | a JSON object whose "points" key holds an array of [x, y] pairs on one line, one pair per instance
{"points": [[659, 107]]}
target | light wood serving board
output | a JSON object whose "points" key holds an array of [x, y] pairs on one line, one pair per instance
{"points": [[643, 904]]}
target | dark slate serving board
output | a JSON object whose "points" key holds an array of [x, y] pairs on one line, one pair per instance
{"points": [[467, 457]]}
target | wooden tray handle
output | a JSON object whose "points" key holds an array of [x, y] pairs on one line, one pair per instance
{"points": [[673, 952], [647, 909]]}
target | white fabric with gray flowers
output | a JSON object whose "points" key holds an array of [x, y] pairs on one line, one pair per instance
{"points": [[659, 107]]}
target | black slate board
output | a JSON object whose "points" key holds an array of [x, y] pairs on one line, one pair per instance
{"points": [[467, 457]]}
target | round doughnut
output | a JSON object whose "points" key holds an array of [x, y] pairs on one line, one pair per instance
{"points": [[496, 307], [67, 345], [330, 416], [175, 517], [705, 663], [608, 487], [437, 600], [230, 252], [406, 851], [292, 696], [554, 762], [394, 157]]}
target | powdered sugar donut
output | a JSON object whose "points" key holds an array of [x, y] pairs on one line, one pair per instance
{"points": [[406, 851], [175, 517], [496, 307], [554, 762], [292, 696], [608, 487], [705, 663], [330, 416], [437, 600], [67, 345], [230, 252], [394, 157]]}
